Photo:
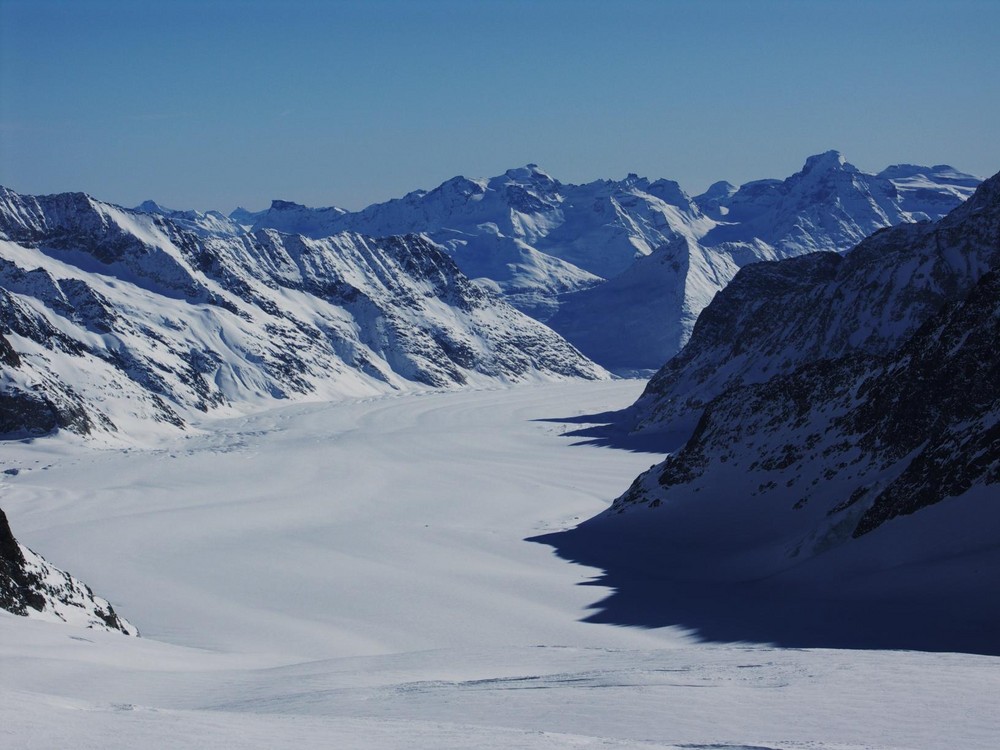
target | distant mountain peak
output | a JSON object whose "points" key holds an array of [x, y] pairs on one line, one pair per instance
{"points": [[531, 173], [280, 205], [828, 161], [152, 207], [461, 185]]}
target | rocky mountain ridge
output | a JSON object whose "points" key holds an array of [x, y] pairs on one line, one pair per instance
{"points": [[113, 319], [831, 394], [774, 317]]}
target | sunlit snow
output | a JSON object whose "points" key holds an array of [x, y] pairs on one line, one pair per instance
{"points": [[355, 575]]}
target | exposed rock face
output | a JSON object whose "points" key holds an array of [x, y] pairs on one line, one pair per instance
{"points": [[849, 443], [113, 318], [31, 587]]}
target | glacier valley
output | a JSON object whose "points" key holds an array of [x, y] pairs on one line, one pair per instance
{"points": [[355, 575]]}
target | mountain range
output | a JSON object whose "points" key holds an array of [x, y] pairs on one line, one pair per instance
{"points": [[575, 256], [114, 320], [831, 414]]}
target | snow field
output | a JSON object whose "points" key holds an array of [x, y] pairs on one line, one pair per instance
{"points": [[355, 575]]}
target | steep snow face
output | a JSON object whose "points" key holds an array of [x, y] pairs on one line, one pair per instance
{"points": [[848, 423], [118, 318], [31, 587]]}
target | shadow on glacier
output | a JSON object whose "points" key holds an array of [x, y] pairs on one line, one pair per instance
{"points": [[611, 429], [784, 613]]}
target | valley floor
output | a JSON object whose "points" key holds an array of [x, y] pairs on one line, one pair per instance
{"points": [[356, 575]]}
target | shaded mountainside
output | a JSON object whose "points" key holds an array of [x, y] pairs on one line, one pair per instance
{"points": [[111, 318], [31, 587], [844, 465], [644, 315], [775, 317]]}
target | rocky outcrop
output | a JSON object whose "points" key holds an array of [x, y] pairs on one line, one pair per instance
{"points": [[31, 587]]}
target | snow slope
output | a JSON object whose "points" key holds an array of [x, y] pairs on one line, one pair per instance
{"points": [[355, 575], [127, 321]]}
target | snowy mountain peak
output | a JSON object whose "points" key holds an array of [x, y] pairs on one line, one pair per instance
{"points": [[460, 186], [531, 173], [826, 162], [291, 206], [152, 207], [670, 192], [939, 173]]}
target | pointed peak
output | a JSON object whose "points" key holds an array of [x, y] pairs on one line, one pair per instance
{"points": [[464, 185], [152, 207]]}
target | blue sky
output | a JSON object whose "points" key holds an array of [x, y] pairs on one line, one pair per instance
{"points": [[216, 104]]}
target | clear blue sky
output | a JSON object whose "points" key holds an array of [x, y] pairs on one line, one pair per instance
{"points": [[214, 104]]}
